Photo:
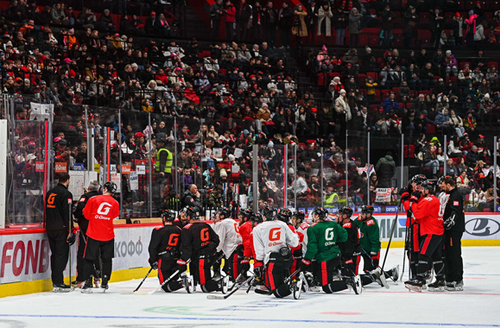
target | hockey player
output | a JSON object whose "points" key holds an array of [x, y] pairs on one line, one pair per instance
{"points": [[370, 248], [230, 244], [412, 235], [272, 241], [426, 209], [199, 244], [323, 237], [297, 222], [245, 231], [454, 224], [59, 230], [100, 211], [164, 251], [91, 191], [351, 248], [182, 220]]}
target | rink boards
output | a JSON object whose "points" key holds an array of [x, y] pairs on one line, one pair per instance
{"points": [[25, 264]]}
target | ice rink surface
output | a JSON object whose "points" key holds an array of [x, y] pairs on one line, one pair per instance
{"points": [[477, 306]]}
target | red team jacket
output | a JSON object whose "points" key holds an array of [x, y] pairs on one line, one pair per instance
{"points": [[428, 214], [101, 211], [245, 231]]}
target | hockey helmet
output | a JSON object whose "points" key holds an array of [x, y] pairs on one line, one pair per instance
{"points": [[224, 211], [429, 185], [418, 179], [110, 187], [365, 209], [257, 218], [193, 212], [168, 215], [300, 215], [284, 215], [321, 212], [269, 213], [346, 210], [246, 213]]}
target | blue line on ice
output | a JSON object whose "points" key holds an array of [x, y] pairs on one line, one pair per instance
{"points": [[446, 324]]}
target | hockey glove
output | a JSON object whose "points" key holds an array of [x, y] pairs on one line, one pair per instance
{"points": [[449, 223], [297, 254], [71, 237], [405, 194], [181, 265], [306, 264], [258, 269], [154, 265], [415, 196]]}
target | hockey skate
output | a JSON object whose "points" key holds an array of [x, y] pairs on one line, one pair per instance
{"points": [[354, 283], [393, 273], [77, 284], [379, 277], [437, 286], [87, 287], [62, 288], [188, 282], [415, 284], [454, 286], [298, 285], [223, 283]]}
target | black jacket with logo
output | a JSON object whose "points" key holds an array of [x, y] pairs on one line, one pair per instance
{"points": [[83, 223], [455, 206], [58, 208]]}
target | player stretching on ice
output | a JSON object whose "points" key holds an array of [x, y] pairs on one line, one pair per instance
{"points": [[323, 237], [272, 241], [164, 251]]}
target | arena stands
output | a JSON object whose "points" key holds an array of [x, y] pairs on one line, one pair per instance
{"points": [[121, 84]]}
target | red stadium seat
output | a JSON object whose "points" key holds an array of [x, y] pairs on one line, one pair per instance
{"points": [[363, 40], [373, 75], [321, 79], [493, 64]]}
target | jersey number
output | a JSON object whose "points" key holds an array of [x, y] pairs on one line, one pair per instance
{"points": [[173, 240], [329, 234], [204, 234], [274, 234]]}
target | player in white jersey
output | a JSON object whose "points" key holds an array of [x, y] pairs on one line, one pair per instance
{"points": [[230, 241], [272, 241]]}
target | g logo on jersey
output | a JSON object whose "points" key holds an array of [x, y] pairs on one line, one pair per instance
{"points": [[482, 227], [329, 233], [104, 208], [274, 234]]}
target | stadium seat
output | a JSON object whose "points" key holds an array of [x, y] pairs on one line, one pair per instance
{"points": [[492, 64]]}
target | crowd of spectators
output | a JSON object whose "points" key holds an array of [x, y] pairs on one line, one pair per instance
{"points": [[229, 96]]}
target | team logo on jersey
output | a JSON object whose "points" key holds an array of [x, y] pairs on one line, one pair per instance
{"points": [[456, 203], [370, 222], [104, 208], [482, 227]]}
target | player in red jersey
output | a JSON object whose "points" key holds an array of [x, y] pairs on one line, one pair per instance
{"points": [[245, 231], [426, 209], [100, 211]]}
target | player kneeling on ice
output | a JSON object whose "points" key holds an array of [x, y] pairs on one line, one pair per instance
{"points": [[100, 211], [230, 245], [199, 244], [272, 241], [323, 237], [164, 252], [427, 211], [370, 249]]}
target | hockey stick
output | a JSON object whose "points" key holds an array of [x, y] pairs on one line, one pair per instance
{"points": [[235, 289], [404, 255], [70, 231], [392, 233], [140, 284], [159, 287]]}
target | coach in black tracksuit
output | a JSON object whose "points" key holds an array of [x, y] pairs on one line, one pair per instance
{"points": [[58, 224], [454, 224], [83, 224]]}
